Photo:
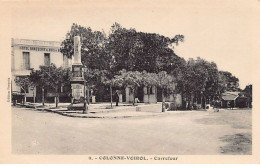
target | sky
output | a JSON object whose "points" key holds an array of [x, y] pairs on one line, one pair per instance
{"points": [[219, 31]]}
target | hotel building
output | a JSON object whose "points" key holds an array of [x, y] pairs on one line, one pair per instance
{"points": [[30, 54]]}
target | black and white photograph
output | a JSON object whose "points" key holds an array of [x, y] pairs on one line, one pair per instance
{"points": [[130, 81]]}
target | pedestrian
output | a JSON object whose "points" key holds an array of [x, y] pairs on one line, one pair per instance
{"points": [[117, 97]]}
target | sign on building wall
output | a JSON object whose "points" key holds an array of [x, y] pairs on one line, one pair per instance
{"points": [[40, 49]]}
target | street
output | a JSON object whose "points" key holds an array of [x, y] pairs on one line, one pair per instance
{"points": [[175, 133]]}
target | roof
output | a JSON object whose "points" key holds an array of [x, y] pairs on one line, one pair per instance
{"points": [[229, 97], [29, 42], [231, 93]]}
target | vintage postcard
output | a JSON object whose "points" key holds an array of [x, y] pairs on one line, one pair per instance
{"points": [[147, 82]]}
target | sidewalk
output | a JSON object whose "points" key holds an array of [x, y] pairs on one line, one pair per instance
{"points": [[102, 110]]}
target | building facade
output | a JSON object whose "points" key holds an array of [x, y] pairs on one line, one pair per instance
{"points": [[151, 95], [229, 99], [31, 54]]}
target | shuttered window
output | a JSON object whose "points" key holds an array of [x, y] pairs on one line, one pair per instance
{"points": [[47, 59], [26, 60]]}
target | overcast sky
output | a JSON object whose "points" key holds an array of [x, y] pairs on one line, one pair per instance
{"points": [[219, 31]]}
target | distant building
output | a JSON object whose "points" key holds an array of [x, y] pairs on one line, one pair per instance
{"points": [[30, 54], [151, 95], [228, 99]]}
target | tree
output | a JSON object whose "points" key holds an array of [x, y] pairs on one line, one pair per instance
{"points": [[222, 83], [95, 79], [166, 83], [24, 83], [38, 79], [95, 55], [132, 79], [210, 85], [199, 78], [138, 51], [52, 78], [248, 93], [107, 79], [124, 49], [56, 78], [149, 80], [232, 82], [93, 43]]}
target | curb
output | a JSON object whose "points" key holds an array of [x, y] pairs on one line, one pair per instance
{"points": [[60, 112], [103, 117], [100, 117]]}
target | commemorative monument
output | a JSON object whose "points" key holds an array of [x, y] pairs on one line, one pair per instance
{"points": [[77, 82]]}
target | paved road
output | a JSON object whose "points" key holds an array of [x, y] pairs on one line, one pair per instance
{"points": [[196, 132]]}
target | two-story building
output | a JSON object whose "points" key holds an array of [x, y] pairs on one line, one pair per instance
{"points": [[30, 54]]}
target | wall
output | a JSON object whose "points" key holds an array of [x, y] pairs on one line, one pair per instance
{"points": [[152, 97], [178, 100], [129, 98]]}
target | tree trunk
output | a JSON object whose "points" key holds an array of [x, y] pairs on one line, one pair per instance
{"points": [[133, 96], [24, 101], [111, 96], [204, 103], [182, 101], [163, 101], [188, 99], [148, 92], [88, 95], [201, 101], [190, 102], [57, 101], [57, 98], [43, 96], [33, 95]]}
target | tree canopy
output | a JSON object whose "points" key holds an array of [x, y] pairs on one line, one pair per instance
{"points": [[50, 78], [132, 58], [124, 49]]}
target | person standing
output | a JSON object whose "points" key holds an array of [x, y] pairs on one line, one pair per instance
{"points": [[117, 97]]}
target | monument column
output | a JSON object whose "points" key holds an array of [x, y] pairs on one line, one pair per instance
{"points": [[77, 81]]}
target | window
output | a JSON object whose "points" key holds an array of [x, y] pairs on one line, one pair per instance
{"points": [[26, 60], [47, 59]]}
